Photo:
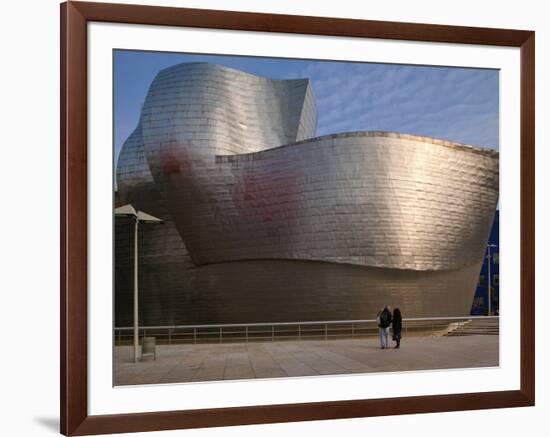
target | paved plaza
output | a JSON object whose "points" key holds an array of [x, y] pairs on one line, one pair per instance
{"points": [[213, 362]]}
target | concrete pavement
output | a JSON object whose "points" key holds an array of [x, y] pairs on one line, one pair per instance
{"points": [[212, 362]]}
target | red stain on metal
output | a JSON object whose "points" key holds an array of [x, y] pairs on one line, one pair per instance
{"points": [[263, 196], [249, 188], [169, 163], [175, 157]]}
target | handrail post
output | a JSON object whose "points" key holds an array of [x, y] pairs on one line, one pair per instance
{"points": [[299, 332], [272, 332], [221, 334], [169, 335], [246, 333], [326, 326], [352, 330], [194, 335]]}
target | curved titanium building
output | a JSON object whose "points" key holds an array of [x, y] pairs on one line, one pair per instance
{"points": [[265, 222]]}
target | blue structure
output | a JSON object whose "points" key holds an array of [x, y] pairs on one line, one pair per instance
{"points": [[480, 303]]}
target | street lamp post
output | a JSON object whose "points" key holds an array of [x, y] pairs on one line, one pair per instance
{"points": [[138, 216], [489, 283], [136, 288]]}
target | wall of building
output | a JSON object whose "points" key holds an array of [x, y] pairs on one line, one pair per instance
{"points": [[324, 228]]}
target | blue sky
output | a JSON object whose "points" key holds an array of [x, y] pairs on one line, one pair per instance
{"points": [[455, 104]]}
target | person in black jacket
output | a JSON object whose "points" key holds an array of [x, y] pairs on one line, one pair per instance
{"points": [[396, 327], [384, 323]]}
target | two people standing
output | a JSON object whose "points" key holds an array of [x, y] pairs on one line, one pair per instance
{"points": [[385, 320]]}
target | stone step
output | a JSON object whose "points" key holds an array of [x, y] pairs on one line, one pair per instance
{"points": [[475, 327]]}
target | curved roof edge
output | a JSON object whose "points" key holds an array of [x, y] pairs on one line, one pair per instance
{"points": [[175, 67], [384, 134]]}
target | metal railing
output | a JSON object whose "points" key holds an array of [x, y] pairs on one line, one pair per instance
{"points": [[247, 332]]}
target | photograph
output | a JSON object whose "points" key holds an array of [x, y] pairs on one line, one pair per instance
{"points": [[282, 218], [276, 218]]}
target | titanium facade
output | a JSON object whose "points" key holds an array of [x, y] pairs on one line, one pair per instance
{"points": [[265, 223]]}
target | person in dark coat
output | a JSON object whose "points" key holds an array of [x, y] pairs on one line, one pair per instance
{"points": [[384, 322], [396, 327]]}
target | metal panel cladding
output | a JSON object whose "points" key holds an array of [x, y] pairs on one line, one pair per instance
{"points": [[230, 161]]}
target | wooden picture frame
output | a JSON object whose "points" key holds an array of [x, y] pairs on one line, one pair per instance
{"points": [[74, 374]]}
